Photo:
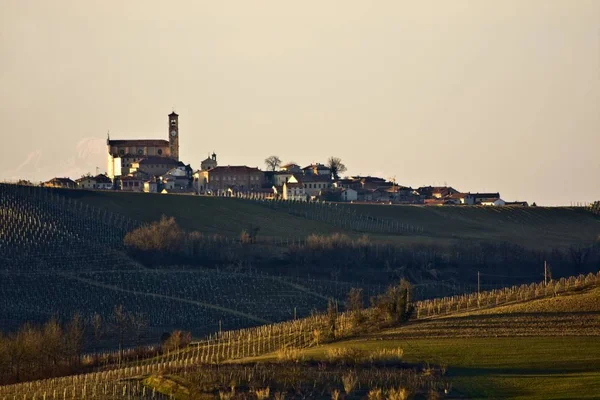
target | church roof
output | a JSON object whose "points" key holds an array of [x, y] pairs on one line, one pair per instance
{"points": [[139, 142], [173, 114]]}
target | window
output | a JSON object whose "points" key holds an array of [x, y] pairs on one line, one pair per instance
{"points": [[173, 122], [159, 152]]}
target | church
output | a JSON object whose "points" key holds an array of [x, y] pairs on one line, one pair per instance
{"points": [[125, 156]]}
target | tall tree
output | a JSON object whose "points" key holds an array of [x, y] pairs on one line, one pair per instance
{"points": [[272, 163], [336, 166]]}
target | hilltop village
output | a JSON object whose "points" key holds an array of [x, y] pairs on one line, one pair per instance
{"points": [[153, 166]]}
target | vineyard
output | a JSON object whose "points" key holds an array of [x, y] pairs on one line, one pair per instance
{"points": [[347, 218], [59, 256], [227, 346]]}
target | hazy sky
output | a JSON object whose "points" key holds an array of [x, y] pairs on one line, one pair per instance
{"points": [[482, 95]]}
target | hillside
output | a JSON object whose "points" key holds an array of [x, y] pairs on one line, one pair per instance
{"points": [[547, 363], [62, 252], [532, 227]]}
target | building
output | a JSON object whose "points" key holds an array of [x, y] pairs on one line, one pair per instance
{"points": [[350, 195], [317, 169], [293, 191], [98, 182], [122, 154], [314, 184], [131, 183], [281, 177], [209, 163], [154, 165], [461, 198], [234, 179], [179, 178], [440, 192], [479, 197], [291, 167], [492, 202], [63, 183]]}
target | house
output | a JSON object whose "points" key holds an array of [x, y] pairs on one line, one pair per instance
{"points": [[63, 183], [179, 178], [478, 197], [131, 183], [492, 202], [440, 192], [291, 168], [280, 177], [293, 191], [240, 179], [317, 169], [461, 198], [350, 195], [154, 165], [98, 182], [86, 182], [314, 184], [365, 195]]}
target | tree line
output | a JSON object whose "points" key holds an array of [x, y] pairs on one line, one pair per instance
{"points": [[56, 348]]}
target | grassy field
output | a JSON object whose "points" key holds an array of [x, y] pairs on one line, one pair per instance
{"points": [[541, 349], [534, 227]]}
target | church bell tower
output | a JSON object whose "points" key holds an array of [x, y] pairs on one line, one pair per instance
{"points": [[174, 135]]}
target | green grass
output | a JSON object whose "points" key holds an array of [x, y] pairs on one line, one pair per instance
{"points": [[534, 227], [540, 349]]}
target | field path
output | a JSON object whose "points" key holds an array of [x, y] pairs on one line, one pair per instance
{"points": [[162, 296]]}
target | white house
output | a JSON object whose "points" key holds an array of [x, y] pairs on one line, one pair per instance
{"points": [[349, 195], [314, 184], [294, 191], [492, 202], [98, 182]]}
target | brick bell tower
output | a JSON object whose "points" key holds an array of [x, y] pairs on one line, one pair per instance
{"points": [[174, 135]]}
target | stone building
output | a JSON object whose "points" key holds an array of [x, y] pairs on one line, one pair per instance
{"points": [[122, 154], [234, 179]]}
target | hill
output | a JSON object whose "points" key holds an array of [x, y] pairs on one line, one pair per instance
{"points": [[286, 358], [531, 227], [62, 252]]}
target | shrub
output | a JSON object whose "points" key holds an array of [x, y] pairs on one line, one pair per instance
{"points": [[349, 381], [344, 355], [289, 354], [262, 393], [398, 394], [387, 356], [375, 394]]}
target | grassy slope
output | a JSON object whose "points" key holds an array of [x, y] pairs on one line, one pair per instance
{"points": [[523, 355], [538, 227]]}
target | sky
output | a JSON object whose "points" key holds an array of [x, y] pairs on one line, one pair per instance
{"points": [[482, 95]]}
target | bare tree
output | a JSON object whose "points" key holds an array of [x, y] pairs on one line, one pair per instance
{"points": [[336, 166], [120, 324], [272, 163]]}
